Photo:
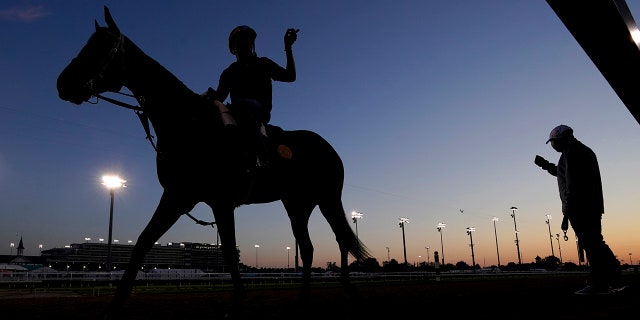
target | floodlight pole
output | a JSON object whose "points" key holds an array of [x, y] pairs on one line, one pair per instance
{"points": [[404, 245], [559, 248], [495, 232], [355, 215], [112, 194], [256, 246], [440, 227], [112, 183], [297, 264], [513, 215], [548, 221], [470, 231], [428, 261]]}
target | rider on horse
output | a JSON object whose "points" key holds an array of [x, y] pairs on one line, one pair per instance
{"points": [[248, 81]]}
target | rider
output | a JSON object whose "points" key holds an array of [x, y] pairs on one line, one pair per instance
{"points": [[248, 80]]}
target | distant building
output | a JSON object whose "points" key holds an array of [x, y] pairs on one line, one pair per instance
{"points": [[91, 256], [19, 261]]}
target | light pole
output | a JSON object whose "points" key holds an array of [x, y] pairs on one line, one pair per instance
{"points": [[401, 223], [40, 247], [11, 245], [630, 261], [495, 232], [440, 227], [355, 215], [388, 257], [297, 264], [112, 183], [256, 246], [548, 221], [473, 257], [580, 252], [559, 248], [288, 250], [513, 215], [428, 261]]}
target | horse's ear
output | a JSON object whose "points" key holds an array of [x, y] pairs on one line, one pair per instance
{"points": [[95, 22], [110, 23]]}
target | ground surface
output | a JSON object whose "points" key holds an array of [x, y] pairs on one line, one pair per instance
{"points": [[500, 298]]}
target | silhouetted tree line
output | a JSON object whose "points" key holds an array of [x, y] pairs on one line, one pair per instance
{"points": [[550, 263]]}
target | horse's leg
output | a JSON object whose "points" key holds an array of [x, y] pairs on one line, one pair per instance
{"points": [[167, 213], [299, 214], [334, 213], [225, 221]]}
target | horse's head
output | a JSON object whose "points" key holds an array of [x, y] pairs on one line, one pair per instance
{"points": [[98, 66]]}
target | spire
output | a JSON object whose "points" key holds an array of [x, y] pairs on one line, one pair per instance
{"points": [[20, 247]]}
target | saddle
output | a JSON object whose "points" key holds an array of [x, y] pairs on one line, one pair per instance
{"points": [[256, 143]]}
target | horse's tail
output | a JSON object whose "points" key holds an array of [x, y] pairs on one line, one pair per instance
{"points": [[334, 213], [356, 247], [359, 251]]}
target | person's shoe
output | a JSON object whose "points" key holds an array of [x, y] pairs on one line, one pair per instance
{"points": [[619, 288], [593, 291]]}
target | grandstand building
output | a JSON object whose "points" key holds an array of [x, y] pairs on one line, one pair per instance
{"points": [[92, 256]]}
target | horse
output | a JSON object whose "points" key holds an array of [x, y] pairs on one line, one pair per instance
{"points": [[198, 159]]}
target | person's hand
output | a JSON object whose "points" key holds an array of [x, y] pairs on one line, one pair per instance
{"points": [[541, 162], [290, 37], [210, 94]]}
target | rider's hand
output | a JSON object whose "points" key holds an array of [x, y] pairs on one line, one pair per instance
{"points": [[290, 37], [210, 94]]}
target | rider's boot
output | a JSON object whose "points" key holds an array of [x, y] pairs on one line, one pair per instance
{"points": [[262, 150]]}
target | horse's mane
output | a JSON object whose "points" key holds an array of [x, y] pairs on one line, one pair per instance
{"points": [[163, 80]]}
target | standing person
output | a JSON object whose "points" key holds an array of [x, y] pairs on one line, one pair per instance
{"points": [[248, 80], [580, 189]]}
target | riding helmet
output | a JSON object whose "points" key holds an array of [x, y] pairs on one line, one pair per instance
{"points": [[240, 31]]}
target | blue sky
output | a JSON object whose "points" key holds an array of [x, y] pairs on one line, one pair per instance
{"points": [[434, 107]]}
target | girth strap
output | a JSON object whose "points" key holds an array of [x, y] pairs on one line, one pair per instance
{"points": [[201, 222]]}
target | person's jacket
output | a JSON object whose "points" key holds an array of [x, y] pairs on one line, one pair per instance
{"points": [[579, 181]]}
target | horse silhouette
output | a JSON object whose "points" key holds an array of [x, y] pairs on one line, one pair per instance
{"points": [[198, 159]]}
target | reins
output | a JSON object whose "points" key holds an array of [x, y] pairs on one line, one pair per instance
{"points": [[144, 120]]}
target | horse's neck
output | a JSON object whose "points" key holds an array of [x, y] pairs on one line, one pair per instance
{"points": [[175, 111], [147, 78]]}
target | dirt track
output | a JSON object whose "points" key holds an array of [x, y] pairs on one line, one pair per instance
{"points": [[519, 298]]}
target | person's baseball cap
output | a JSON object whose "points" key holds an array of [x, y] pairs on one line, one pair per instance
{"points": [[561, 131]]}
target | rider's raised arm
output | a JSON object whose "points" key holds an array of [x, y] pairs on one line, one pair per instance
{"points": [[290, 37], [290, 74]]}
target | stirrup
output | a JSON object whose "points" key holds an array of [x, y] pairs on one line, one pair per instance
{"points": [[262, 163]]}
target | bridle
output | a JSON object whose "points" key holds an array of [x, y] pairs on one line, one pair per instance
{"points": [[118, 50]]}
